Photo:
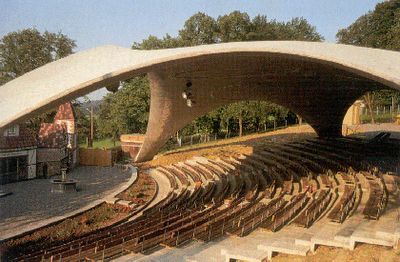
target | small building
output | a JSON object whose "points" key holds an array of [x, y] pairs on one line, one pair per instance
{"points": [[17, 154], [57, 143], [25, 155], [52, 152]]}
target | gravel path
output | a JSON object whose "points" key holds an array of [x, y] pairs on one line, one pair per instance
{"points": [[32, 201]]}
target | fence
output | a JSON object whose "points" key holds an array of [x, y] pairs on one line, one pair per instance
{"points": [[381, 114], [99, 157], [202, 138]]}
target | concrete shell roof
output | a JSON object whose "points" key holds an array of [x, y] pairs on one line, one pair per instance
{"points": [[86, 71]]}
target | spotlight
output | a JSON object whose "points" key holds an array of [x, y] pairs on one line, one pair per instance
{"points": [[186, 94], [189, 103]]}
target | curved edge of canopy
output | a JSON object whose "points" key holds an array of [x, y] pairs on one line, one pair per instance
{"points": [[81, 73]]}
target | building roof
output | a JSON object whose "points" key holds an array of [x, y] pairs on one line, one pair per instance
{"points": [[65, 112], [25, 139], [52, 136]]}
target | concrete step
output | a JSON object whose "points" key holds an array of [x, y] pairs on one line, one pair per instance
{"points": [[250, 255], [326, 237], [345, 233], [286, 246], [371, 238], [304, 240]]}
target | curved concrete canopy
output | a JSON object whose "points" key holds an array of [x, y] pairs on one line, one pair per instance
{"points": [[316, 80]]}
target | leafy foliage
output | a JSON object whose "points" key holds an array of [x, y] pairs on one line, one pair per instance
{"points": [[127, 110], [378, 29], [199, 29], [25, 50]]}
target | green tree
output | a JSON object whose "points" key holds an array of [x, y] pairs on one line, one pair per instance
{"points": [[153, 42], [25, 50], [199, 29], [298, 29], [379, 28], [127, 110], [234, 26]]}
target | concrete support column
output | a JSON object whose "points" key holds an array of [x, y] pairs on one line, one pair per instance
{"points": [[169, 111]]}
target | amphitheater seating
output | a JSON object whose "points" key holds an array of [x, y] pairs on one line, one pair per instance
{"points": [[235, 194]]}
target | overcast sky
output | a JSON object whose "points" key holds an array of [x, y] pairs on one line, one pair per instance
{"points": [[121, 22]]}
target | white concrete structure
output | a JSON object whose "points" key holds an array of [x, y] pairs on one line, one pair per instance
{"points": [[318, 81]]}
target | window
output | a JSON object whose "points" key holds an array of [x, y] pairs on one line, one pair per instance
{"points": [[13, 169], [12, 131]]}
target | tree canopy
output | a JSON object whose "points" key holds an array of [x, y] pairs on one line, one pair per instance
{"points": [[379, 28], [25, 50], [127, 110]]}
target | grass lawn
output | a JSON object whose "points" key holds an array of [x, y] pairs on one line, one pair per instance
{"points": [[381, 118], [104, 143]]}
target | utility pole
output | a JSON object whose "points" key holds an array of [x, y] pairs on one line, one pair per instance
{"points": [[90, 138]]}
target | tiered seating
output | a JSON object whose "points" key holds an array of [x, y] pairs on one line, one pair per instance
{"points": [[222, 192], [284, 215], [347, 178], [293, 169], [343, 157], [327, 163], [171, 178], [287, 173], [325, 181], [194, 176], [315, 167], [182, 178], [235, 194], [248, 223], [300, 169]]}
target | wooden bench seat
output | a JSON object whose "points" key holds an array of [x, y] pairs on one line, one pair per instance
{"points": [[315, 167], [327, 163], [300, 170], [377, 199], [345, 205], [285, 214], [317, 206]]}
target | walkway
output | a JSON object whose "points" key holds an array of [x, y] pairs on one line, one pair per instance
{"points": [[32, 204]]}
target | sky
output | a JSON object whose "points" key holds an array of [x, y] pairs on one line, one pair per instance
{"points": [[121, 22]]}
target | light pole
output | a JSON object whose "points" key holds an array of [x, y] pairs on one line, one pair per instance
{"points": [[90, 138]]}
